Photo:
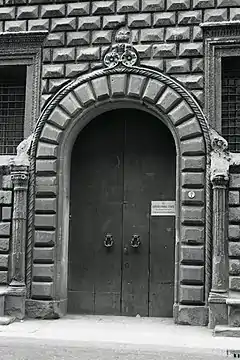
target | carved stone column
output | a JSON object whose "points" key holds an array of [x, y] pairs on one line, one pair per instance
{"points": [[219, 177]]}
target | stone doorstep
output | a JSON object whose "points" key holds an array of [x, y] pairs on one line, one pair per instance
{"points": [[226, 331], [5, 319]]}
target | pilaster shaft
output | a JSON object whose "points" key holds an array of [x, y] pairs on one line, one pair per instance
{"points": [[19, 176]]}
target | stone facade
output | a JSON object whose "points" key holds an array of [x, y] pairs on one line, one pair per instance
{"points": [[167, 38]]}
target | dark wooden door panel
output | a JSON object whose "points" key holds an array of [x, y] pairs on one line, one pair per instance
{"points": [[96, 208]]}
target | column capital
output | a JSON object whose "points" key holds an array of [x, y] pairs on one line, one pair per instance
{"points": [[19, 176], [220, 182]]}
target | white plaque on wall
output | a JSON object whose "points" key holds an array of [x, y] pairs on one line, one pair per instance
{"points": [[163, 208]]}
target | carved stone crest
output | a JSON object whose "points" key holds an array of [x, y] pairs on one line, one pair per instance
{"points": [[220, 156], [122, 53]]}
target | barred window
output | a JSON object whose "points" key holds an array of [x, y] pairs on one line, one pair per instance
{"points": [[12, 107], [231, 102]]}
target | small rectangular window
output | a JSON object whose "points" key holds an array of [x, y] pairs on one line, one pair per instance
{"points": [[231, 101], [12, 107]]}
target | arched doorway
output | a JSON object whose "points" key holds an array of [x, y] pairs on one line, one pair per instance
{"points": [[121, 256]]}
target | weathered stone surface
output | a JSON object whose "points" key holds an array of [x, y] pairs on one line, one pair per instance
{"points": [[164, 19], [64, 24], [234, 267], [153, 90], [233, 197], [16, 26], [4, 246], [178, 4], [44, 238], [164, 50], [168, 100], [193, 146], [51, 133], [43, 255], [234, 181], [101, 88], [177, 66], [203, 4], [191, 274], [45, 221], [198, 199], [70, 104], [84, 94], [6, 213], [63, 55], [5, 197], [5, 228], [193, 235], [215, 15], [7, 13], [46, 166], [53, 71], [127, 6], [234, 249], [189, 17], [234, 283], [101, 37], [78, 9], [42, 290], [54, 39], [53, 10], [113, 21], [45, 205], [192, 254], [152, 35], [46, 185], [190, 49], [193, 179], [153, 5], [191, 294], [192, 214], [4, 261], [118, 84], [59, 118], [188, 129], [193, 163], [45, 309], [139, 21], [234, 214], [73, 70], [89, 23], [43, 272], [46, 150], [27, 12], [135, 85], [192, 315]]}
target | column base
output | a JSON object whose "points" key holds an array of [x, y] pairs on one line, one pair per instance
{"points": [[218, 310], [46, 309], [15, 302], [190, 315]]}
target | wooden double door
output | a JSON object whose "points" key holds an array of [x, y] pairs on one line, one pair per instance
{"points": [[121, 259]]}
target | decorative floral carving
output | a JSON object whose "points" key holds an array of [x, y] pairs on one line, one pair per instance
{"points": [[121, 53], [220, 157]]}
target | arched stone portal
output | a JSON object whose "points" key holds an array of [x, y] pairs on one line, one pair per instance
{"points": [[59, 125]]}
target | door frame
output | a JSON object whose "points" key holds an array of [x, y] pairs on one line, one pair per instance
{"points": [[77, 104]]}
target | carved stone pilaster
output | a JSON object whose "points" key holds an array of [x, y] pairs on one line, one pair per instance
{"points": [[220, 162]]}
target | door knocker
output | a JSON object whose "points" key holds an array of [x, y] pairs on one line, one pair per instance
{"points": [[108, 241], [135, 242]]}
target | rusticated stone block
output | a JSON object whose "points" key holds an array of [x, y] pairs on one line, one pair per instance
{"points": [[235, 14], [113, 21], [78, 38], [191, 49], [53, 10], [4, 261], [203, 4], [89, 23], [73, 70], [38, 25], [189, 17], [180, 113], [55, 39], [7, 13], [227, 3], [144, 51], [234, 283], [59, 117], [153, 5], [177, 66], [84, 94], [45, 205], [139, 20], [164, 50], [41, 254], [193, 147], [44, 221], [118, 84], [193, 163], [46, 150], [64, 24], [42, 290], [215, 15], [197, 33], [16, 26], [101, 89], [6, 213], [3, 277], [178, 33], [192, 235], [233, 197], [168, 99], [191, 81], [4, 245], [191, 315], [27, 12], [151, 35], [44, 238], [192, 214], [6, 182], [55, 84], [63, 54], [127, 6], [191, 294], [103, 7], [199, 96], [234, 249], [193, 179], [78, 9], [101, 37], [234, 267], [153, 90], [5, 197], [49, 166], [135, 85], [154, 64], [88, 54], [234, 181], [53, 71], [46, 186], [234, 214], [164, 19], [192, 254], [43, 272], [189, 129], [191, 274], [197, 65], [178, 5], [51, 133], [5, 228], [198, 199], [70, 104]]}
